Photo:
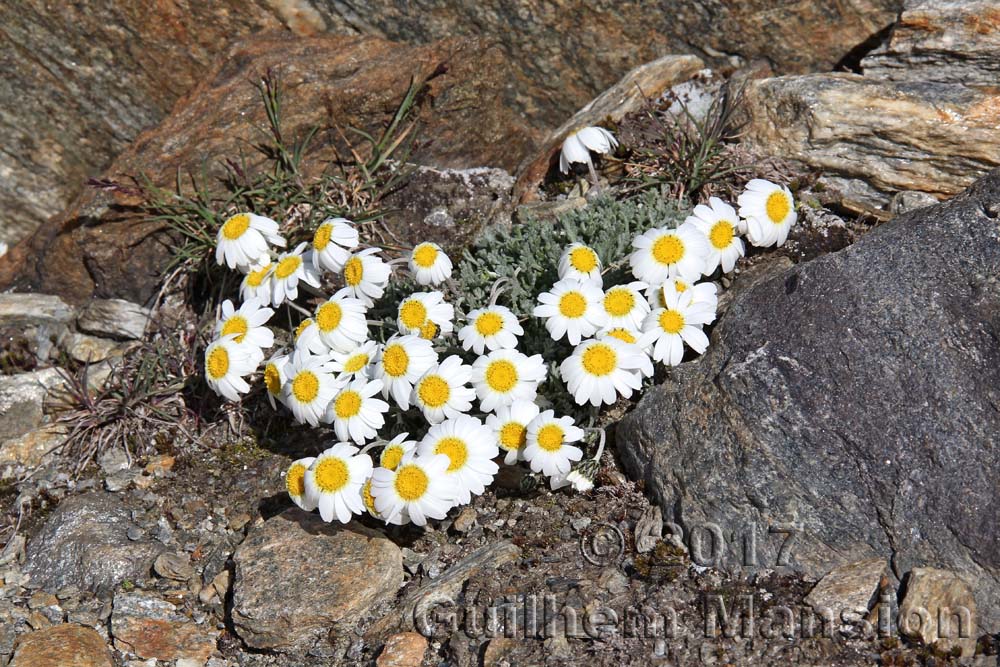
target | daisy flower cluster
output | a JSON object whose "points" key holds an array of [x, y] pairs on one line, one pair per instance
{"points": [[462, 383]]}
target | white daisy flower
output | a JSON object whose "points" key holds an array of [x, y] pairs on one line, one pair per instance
{"points": [[243, 240], [442, 391], [721, 226], [289, 269], [769, 211], [258, 282], [400, 363], [309, 386], [704, 292], [599, 370], [630, 337], [574, 478], [429, 264], [368, 499], [419, 487], [573, 309], [334, 480], [547, 449], [663, 253], [470, 448], [416, 310], [295, 482], [493, 327], [341, 322], [332, 244], [580, 262], [625, 305], [274, 378], [226, 364], [355, 362], [355, 413], [577, 146], [667, 329], [394, 451], [366, 276], [307, 338], [247, 324], [504, 376], [510, 427]]}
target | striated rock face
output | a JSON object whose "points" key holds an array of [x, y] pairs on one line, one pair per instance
{"points": [[945, 41], [851, 400], [97, 246], [940, 610], [80, 81], [934, 138], [299, 580], [66, 644]]}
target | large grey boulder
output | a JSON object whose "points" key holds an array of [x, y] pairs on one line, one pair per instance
{"points": [[853, 401]]}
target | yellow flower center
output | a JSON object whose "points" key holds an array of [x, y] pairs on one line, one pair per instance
{"points": [[424, 255], [295, 480], [668, 249], [572, 305], [321, 239], [237, 324], [550, 437], [303, 325], [356, 363], [354, 271], [347, 405], [455, 449], [721, 235], [395, 360], [305, 387], [434, 392], [328, 316], [391, 456], [236, 226], [680, 286], [599, 359], [583, 259], [671, 321], [287, 266], [413, 313], [778, 206], [255, 278], [429, 330], [512, 436], [489, 324], [622, 334], [411, 483], [368, 498], [272, 379], [501, 376], [619, 302], [217, 363], [332, 475]]}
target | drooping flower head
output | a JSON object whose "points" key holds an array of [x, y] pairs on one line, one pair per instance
{"points": [[577, 146], [332, 244], [295, 483]]}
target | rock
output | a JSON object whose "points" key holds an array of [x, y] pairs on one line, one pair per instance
{"points": [[150, 627], [88, 349], [329, 82], [405, 649], [333, 574], [646, 82], [910, 201], [61, 645], [83, 543], [450, 206], [173, 566], [940, 610], [463, 522], [29, 449], [849, 588], [114, 317], [21, 399], [946, 41], [22, 310], [843, 405], [935, 138]]}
